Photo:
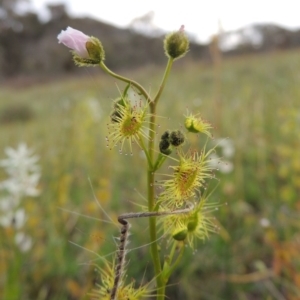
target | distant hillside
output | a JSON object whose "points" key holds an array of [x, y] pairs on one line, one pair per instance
{"points": [[30, 48], [259, 38]]}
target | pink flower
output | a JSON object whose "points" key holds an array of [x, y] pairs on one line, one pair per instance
{"points": [[75, 40]]}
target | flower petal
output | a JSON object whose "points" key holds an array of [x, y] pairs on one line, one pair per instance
{"points": [[75, 40]]}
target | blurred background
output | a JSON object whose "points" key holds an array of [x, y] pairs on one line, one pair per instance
{"points": [[242, 74]]}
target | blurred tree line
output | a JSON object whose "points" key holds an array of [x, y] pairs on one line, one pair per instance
{"points": [[262, 38], [28, 47]]}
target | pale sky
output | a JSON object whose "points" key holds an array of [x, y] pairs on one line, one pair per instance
{"points": [[199, 17]]}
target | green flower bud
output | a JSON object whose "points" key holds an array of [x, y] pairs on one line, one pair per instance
{"points": [[95, 51], [176, 44], [192, 223], [195, 124], [180, 235]]}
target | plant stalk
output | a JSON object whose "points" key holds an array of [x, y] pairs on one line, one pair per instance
{"points": [[160, 280], [151, 207], [127, 80]]}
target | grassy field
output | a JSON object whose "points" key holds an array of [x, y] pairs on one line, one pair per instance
{"points": [[253, 102]]}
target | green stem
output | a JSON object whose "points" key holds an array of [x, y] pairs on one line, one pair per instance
{"points": [[161, 281], [151, 207], [172, 252], [178, 259], [127, 80], [166, 75], [159, 161], [141, 142]]}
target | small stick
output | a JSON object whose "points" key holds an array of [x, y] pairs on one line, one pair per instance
{"points": [[120, 260]]}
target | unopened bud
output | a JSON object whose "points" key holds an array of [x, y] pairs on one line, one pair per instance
{"points": [[176, 44], [192, 222], [180, 235], [195, 124], [95, 50], [87, 50]]}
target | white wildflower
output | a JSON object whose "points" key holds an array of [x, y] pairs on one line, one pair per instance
{"points": [[23, 178], [23, 241], [23, 171]]}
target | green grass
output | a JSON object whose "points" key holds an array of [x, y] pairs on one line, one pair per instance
{"points": [[254, 101]]}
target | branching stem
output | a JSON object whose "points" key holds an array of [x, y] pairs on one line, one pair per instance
{"points": [[120, 259]]}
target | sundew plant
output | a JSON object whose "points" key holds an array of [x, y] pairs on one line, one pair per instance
{"points": [[181, 209]]}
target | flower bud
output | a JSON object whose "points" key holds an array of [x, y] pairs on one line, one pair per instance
{"points": [[176, 44], [95, 50], [86, 50], [180, 235], [195, 124], [193, 222], [75, 40]]}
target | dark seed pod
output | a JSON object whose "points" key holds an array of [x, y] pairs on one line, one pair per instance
{"points": [[165, 135], [176, 138], [165, 147]]}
